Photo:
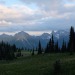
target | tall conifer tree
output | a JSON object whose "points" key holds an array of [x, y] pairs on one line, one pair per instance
{"points": [[39, 48]]}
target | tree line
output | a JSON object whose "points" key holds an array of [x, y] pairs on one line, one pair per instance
{"points": [[53, 47], [8, 52]]}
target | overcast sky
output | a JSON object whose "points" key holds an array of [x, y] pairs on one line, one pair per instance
{"points": [[36, 15]]}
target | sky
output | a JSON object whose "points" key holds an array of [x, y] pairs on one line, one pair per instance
{"points": [[36, 15]]}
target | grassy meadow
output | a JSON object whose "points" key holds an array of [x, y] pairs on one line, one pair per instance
{"points": [[38, 64]]}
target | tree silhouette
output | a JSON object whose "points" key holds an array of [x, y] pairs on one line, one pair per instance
{"points": [[56, 47], [39, 48], [63, 49], [71, 43], [7, 52], [52, 44], [33, 51]]}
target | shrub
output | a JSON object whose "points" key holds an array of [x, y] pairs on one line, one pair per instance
{"points": [[57, 67]]}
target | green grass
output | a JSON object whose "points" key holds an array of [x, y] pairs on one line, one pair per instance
{"points": [[38, 65]]}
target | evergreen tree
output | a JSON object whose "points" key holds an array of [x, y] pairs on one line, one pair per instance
{"points": [[52, 44], [7, 51], [33, 51], [49, 46], [14, 48], [71, 40], [47, 49], [56, 47], [63, 49], [39, 48]]}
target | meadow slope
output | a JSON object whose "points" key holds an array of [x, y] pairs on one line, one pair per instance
{"points": [[39, 65]]}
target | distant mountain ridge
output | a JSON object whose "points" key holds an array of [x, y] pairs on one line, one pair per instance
{"points": [[23, 39]]}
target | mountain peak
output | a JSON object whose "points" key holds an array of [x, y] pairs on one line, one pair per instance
{"points": [[45, 36], [21, 35], [22, 32]]}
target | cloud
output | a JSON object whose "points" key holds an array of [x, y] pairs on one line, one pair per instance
{"points": [[48, 14], [69, 5], [71, 0], [4, 23], [45, 4], [53, 8], [14, 15]]}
